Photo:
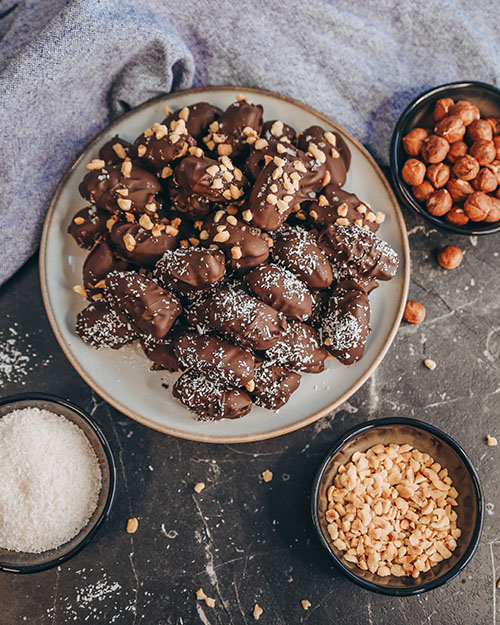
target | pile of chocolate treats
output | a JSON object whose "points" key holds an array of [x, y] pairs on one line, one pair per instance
{"points": [[229, 249]]}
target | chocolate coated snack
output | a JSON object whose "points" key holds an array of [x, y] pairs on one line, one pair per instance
{"points": [[210, 399], [87, 226], [161, 145], [345, 325], [298, 348], [234, 313], [276, 138], [337, 156], [150, 309], [127, 187], [188, 270], [282, 290], [101, 325], [243, 244], [115, 150], [161, 352], [215, 358], [361, 250], [273, 385], [99, 263], [140, 246], [198, 117], [297, 250]]}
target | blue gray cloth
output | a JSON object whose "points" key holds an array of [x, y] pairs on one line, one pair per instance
{"points": [[68, 66]]}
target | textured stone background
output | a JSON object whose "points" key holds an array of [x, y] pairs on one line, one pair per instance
{"points": [[245, 541]]}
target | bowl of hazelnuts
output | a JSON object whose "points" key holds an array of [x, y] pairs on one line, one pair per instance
{"points": [[445, 157]]}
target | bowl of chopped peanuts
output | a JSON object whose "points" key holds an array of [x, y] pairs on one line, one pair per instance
{"points": [[399, 506]]}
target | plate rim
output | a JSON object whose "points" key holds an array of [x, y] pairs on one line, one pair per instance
{"points": [[206, 437]]}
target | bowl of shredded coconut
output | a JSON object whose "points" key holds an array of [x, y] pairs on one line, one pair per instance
{"points": [[57, 481]]}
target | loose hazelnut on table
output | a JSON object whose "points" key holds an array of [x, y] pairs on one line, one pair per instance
{"points": [[485, 181], [438, 174], [479, 129], [466, 167], [477, 206], [457, 149], [459, 189], [450, 257], [422, 191], [413, 171], [466, 110], [450, 128], [442, 108], [457, 216], [483, 151], [413, 141], [414, 312], [435, 149], [439, 203]]}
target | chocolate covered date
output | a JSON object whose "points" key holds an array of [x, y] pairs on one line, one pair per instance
{"points": [[88, 225], [161, 353], [337, 206], [161, 145], [197, 117], [298, 348], [273, 385], [142, 246], [99, 263], [187, 270], [329, 151], [209, 398], [273, 133], [282, 290], [102, 325], [215, 358], [115, 150]]}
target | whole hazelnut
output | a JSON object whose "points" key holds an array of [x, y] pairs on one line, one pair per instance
{"points": [[457, 216], [483, 151], [450, 257], [439, 202], [494, 214], [494, 167], [435, 149], [413, 171], [442, 108], [477, 206], [414, 312], [479, 129], [459, 189], [494, 122], [450, 128], [438, 174], [422, 191], [457, 149], [466, 167], [496, 143], [466, 110], [413, 141], [485, 181]]}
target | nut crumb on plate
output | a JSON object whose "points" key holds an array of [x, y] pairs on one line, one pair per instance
{"points": [[132, 525]]}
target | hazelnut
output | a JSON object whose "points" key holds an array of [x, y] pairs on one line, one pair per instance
{"points": [[459, 189], [413, 171], [450, 128], [494, 214], [439, 202], [477, 206], [466, 167], [494, 122], [483, 151], [457, 216], [450, 257], [466, 110], [442, 108], [414, 312], [479, 129], [495, 168], [412, 142], [438, 174], [422, 191], [435, 149], [485, 181], [457, 149], [496, 143]]}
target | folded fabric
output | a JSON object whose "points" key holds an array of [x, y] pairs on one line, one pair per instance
{"points": [[68, 66]]}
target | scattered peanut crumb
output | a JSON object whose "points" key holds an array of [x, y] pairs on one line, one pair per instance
{"points": [[305, 604], [430, 364], [210, 601], [132, 525], [267, 475], [257, 612], [199, 486], [200, 594], [498, 584], [491, 441]]}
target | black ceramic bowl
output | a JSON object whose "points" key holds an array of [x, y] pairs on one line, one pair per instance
{"points": [[18, 562], [419, 114], [443, 449]]}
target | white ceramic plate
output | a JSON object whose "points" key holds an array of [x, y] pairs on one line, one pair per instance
{"points": [[123, 377]]}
